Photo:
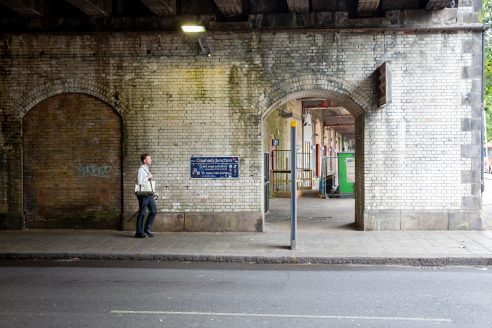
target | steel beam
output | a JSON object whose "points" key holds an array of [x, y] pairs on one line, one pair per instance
{"points": [[366, 8], [437, 4], [298, 6], [230, 8], [93, 8], [348, 120], [340, 126], [26, 8], [161, 7]]}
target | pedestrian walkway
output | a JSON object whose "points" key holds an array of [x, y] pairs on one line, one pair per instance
{"points": [[331, 247], [325, 235]]}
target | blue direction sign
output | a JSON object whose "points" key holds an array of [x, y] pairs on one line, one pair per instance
{"points": [[214, 167]]}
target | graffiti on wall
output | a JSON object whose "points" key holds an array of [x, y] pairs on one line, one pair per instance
{"points": [[94, 170]]}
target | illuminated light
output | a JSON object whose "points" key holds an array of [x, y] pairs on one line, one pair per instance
{"points": [[193, 28]]}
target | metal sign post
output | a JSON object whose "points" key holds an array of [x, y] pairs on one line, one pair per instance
{"points": [[293, 187]]}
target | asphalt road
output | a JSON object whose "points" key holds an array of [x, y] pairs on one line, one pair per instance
{"points": [[64, 294]]}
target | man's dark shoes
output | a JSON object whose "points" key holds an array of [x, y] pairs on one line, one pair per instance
{"points": [[149, 233], [140, 235]]}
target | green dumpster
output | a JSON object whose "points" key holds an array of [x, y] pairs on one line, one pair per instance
{"points": [[346, 173]]}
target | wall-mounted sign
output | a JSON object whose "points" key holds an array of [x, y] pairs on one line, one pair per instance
{"points": [[275, 142], [214, 167], [383, 84]]}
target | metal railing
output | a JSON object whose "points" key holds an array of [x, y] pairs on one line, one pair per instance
{"points": [[280, 181], [266, 182], [280, 160], [280, 173], [329, 174], [329, 165]]}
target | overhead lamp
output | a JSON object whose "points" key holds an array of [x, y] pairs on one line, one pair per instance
{"points": [[193, 28], [197, 32]]}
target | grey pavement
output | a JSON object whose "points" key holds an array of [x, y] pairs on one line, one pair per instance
{"points": [[330, 247], [325, 235]]}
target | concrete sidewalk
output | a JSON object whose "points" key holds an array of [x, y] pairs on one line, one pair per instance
{"points": [[431, 248], [325, 236]]}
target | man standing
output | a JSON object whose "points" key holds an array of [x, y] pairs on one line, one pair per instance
{"points": [[144, 202]]}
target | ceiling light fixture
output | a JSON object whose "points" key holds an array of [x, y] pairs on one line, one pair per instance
{"points": [[197, 32], [193, 28]]}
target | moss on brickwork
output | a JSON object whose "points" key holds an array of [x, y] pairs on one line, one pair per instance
{"points": [[234, 80], [181, 105], [276, 127], [241, 117], [197, 80]]}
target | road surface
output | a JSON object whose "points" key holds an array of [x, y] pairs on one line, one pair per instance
{"points": [[144, 294]]}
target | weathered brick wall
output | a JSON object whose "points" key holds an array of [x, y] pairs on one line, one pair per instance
{"points": [[423, 152], [360, 186], [72, 164], [175, 104], [276, 126]]}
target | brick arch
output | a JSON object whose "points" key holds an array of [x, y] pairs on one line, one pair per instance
{"points": [[345, 93], [72, 163], [36, 95]]}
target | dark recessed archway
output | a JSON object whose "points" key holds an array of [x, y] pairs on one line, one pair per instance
{"points": [[72, 162]]}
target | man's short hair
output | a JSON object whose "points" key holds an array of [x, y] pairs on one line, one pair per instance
{"points": [[142, 158]]}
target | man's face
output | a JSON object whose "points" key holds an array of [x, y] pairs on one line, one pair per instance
{"points": [[148, 160]]}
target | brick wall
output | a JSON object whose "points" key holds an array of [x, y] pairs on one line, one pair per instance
{"points": [[414, 156], [277, 126], [72, 164]]}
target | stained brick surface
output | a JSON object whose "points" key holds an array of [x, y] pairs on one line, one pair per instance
{"points": [[72, 163], [411, 155]]}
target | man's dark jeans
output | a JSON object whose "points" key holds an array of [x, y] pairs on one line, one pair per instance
{"points": [[145, 202]]}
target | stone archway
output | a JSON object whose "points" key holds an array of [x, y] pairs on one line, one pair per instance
{"points": [[56, 87], [13, 150], [72, 163], [357, 100], [354, 99]]}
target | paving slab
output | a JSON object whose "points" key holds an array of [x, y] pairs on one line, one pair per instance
{"points": [[355, 247], [324, 236]]}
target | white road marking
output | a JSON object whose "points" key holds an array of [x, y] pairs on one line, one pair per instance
{"points": [[271, 315]]}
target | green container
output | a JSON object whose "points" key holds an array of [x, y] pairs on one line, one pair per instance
{"points": [[346, 173]]}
